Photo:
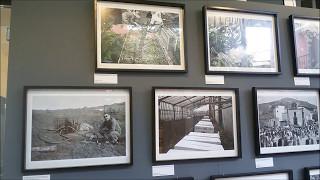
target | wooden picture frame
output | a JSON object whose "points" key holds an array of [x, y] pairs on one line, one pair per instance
{"points": [[305, 42], [230, 50], [282, 174], [286, 120], [68, 127], [197, 123], [139, 36], [312, 173]]}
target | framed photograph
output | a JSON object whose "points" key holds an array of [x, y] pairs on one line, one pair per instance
{"points": [[312, 173], [287, 120], [139, 36], [195, 123], [77, 126], [306, 44], [241, 41], [180, 178], [271, 175]]}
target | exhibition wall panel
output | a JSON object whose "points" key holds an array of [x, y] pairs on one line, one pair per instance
{"points": [[53, 44]]}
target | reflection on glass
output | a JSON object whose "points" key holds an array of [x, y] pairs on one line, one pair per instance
{"points": [[241, 42], [259, 50], [307, 43]]}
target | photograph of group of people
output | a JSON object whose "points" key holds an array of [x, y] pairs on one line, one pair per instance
{"points": [[288, 120]]}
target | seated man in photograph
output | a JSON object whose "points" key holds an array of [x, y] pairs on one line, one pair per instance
{"points": [[110, 129]]}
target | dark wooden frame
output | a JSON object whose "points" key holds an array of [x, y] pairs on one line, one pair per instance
{"points": [[307, 171], [256, 123], [142, 2], [25, 94], [238, 126], [229, 9], [289, 172], [293, 42]]}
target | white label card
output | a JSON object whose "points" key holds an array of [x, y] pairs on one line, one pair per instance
{"points": [[37, 177], [301, 81], [264, 162], [165, 170], [105, 78], [214, 79], [290, 3]]}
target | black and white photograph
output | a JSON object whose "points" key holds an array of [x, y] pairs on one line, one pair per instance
{"points": [[306, 32], [288, 120], [140, 36], [73, 127], [312, 173], [239, 41], [272, 175], [195, 123]]}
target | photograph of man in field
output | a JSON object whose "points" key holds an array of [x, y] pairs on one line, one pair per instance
{"points": [[77, 132], [74, 125]]}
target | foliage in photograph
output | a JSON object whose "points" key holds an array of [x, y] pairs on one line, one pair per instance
{"points": [[139, 37], [240, 42]]}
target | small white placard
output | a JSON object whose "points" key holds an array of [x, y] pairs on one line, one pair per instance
{"points": [[264, 162], [164, 170], [37, 177], [214, 79], [105, 78], [301, 81], [290, 3]]}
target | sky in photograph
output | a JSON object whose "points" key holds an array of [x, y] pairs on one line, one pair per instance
{"points": [[266, 99], [72, 102]]}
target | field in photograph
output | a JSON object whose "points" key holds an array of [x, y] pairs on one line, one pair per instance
{"points": [[48, 144]]}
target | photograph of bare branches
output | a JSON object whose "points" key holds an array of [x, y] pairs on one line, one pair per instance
{"points": [[67, 126], [288, 120], [241, 42], [307, 44], [145, 37], [195, 124]]}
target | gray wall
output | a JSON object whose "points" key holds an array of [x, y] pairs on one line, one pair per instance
{"points": [[2, 130], [53, 44]]}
